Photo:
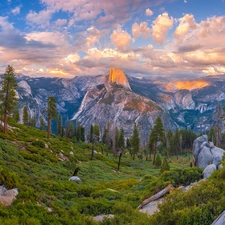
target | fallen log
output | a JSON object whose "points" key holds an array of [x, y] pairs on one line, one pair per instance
{"points": [[156, 196]]}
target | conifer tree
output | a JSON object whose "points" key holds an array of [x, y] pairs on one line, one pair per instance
{"points": [[8, 94], [59, 124], [51, 113], [157, 134], [121, 139], [16, 115], [70, 130], [25, 116], [158, 161], [165, 166], [135, 141], [96, 132], [42, 123], [177, 142]]}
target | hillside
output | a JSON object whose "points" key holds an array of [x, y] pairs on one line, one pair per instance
{"points": [[33, 164]]}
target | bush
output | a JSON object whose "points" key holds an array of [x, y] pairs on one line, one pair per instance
{"points": [[165, 166], [38, 143], [158, 161]]}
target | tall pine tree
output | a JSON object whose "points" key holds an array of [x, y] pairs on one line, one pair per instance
{"points": [[51, 113], [8, 95], [135, 141], [157, 134]]}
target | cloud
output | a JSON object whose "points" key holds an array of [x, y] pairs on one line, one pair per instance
{"points": [[141, 30], [121, 39], [40, 19], [187, 23], [148, 12], [16, 10], [60, 22], [189, 48], [107, 13], [160, 27]]}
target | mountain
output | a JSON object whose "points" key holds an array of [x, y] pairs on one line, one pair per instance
{"points": [[123, 100], [114, 102]]}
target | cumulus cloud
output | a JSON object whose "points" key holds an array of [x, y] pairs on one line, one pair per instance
{"points": [[148, 12], [16, 10], [60, 22], [160, 27], [141, 30], [121, 39], [187, 23]]}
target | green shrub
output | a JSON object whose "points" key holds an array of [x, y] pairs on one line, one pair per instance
{"points": [[158, 161], [165, 166], [38, 143], [9, 178]]}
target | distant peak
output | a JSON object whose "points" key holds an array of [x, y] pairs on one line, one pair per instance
{"points": [[117, 76]]}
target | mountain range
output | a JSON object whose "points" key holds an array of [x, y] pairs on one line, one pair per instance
{"points": [[122, 100]]}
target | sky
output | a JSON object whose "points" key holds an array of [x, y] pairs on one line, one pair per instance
{"points": [[67, 38]]}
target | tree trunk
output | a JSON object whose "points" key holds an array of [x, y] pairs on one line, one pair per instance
{"points": [[5, 123], [156, 196]]}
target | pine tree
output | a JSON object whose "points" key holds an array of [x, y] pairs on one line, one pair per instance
{"points": [[165, 166], [135, 141], [91, 134], [51, 113], [96, 132], [33, 121], [177, 142], [70, 130], [16, 115], [158, 161], [25, 116], [157, 134], [8, 94], [59, 124], [121, 139], [42, 123]]}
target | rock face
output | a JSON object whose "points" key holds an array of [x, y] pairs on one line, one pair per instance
{"points": [[207, 155], [117, 76]]}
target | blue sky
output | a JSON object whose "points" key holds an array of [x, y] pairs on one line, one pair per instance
{"points": [[67, 38]]}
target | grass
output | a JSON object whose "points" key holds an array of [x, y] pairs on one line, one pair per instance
{"points": [[29, 161]]}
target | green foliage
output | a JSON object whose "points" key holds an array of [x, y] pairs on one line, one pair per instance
{"points": [[25, 115], [158, 161], [9, 178], [165, 165], [38, 143], [51, 112], [135, 141]]}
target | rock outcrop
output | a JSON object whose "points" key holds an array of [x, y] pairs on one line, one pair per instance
{"points": [[117, 76], [207, 155]]}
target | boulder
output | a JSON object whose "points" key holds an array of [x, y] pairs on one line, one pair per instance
{"points": [[100, 218], [217, 155], [208, 171], [205, 157], [206, 152], [7, 196], [220, 166], [75, 179], [196, 145]]}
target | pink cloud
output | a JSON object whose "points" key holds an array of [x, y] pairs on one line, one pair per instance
{"points": [[121, 39], [141, 30], [160, 27]]}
